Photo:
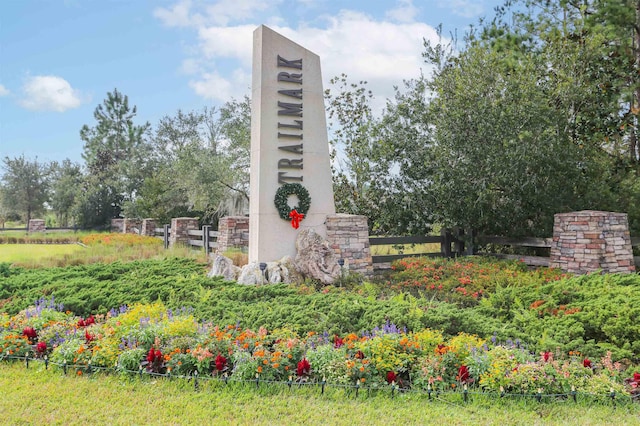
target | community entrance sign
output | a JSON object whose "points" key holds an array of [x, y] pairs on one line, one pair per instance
{"points": [[290, 181]]}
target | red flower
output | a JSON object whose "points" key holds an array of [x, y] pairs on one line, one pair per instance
{"points": [[359, 355], [86, 322], [30, 333], [337, 341], [636, 377], [463, 373], [586, 363], [88, 337], [41, 347], [546, 356], [391, 377], [221, 363], [151, 356], [304, 368]]}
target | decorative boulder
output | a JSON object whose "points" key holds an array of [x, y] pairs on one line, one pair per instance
{"points": [[315, 258], [251, 274], [224, 267], [290, 273]]}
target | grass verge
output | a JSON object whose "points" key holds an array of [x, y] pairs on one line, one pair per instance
{"points": [[39, 396]]}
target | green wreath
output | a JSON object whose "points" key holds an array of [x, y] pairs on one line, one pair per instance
{"points": [[282, 199]]}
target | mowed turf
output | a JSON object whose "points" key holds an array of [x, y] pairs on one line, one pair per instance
{"points": [[25, 253]]}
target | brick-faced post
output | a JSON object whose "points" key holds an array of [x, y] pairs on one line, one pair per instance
{"points": [[348, 236], [180, 227], [589, 241]]}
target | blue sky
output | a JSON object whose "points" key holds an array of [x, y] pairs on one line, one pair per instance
{"points": [[59, 58]]}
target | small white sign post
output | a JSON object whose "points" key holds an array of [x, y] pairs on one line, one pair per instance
{"points": [[289, 143]]}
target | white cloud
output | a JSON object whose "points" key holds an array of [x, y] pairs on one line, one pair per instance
{"points": [[405, 12], [3, 90], [178, 15], [465, 8], [382, 52], [214, 87], [49, 93]]}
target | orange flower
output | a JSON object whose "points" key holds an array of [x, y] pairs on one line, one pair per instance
{"points": [[260, 369], [363, 380], [361, 369], [276, 365], [265, 362]]}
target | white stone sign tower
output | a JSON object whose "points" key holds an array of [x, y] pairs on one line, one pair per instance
{"points": [[289, 143]]}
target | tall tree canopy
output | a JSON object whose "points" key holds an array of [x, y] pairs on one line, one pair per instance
{"points": [[25, 186], [116, 155], [203, 164]]}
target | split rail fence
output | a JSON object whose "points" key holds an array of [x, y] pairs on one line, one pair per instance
{"points": [[453, 243]]}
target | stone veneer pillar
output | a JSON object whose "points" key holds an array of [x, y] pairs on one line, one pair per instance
{"points": [[589, 241], [36, 225], [117, 225], [180, 227], [233, 232], [131, 226], [148, 227], [348, 236]]}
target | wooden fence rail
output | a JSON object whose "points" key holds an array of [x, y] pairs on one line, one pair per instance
{"points": [[206, 239], [456, 239]]}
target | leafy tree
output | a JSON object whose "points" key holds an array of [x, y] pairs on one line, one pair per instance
{"points": [[203, 167], [359, 170], [66, 182], [116, 156], [25, 186]]}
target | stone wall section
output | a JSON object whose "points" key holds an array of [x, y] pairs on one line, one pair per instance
{"points": [[117, 225], [37, 225], [180, 227], [132, 226], [233, 232], [348, 236], [589, 241], [148, 227]]}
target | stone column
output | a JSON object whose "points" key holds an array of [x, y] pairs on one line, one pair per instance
{"points": [[233, 232], [589, 241], [36, 225], [348, 235], [132, 226], [180, 227], [117, 226], [148, 227]]}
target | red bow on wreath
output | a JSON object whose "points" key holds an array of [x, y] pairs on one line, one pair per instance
{"points": [[295, 218]]}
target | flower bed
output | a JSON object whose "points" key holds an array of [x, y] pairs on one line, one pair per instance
{"points": [[149, 337]]}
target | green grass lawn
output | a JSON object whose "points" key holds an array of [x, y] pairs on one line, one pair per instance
{"points": [[39, 396], [26, 253]]}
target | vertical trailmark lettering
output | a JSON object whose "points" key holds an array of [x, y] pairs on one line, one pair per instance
{"points": [[288, 109]]}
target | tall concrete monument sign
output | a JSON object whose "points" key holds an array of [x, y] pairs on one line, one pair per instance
{"points": [[289, 145]]}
